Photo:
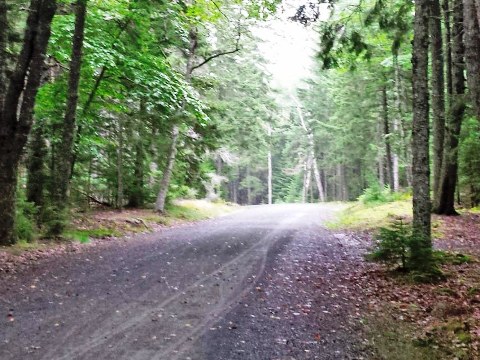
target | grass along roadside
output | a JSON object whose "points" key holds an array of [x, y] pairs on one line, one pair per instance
{"points": [[359, 216], [102, 224], [108, 224]]}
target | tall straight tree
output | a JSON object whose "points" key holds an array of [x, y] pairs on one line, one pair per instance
{"points": [[472, 51], [3, 48], [64, 154], [421, 248], [438, 91], [386, 134], [445, 199], [17, 102]]}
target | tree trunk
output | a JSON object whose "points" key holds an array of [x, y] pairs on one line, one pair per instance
{"points": [[92, 95], [269, 165], [395, 162], [445, 201], [36, 164], [8, 184], [472, 51], [386, 136], [3, 49], [270, 176], [380, 157], [448, 45], [89, 182], [311, 144], [342, 192], [119, 198], [438, 91], [16, 112], [249, 190], [307, 179], [421, 247], [318, 180], [136, 195], [345, 192], [326, 185], [235, 190], [136, 198], [167, 173], [399, 98], [64, 158], [165, 183]]}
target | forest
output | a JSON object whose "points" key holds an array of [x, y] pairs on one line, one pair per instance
{"points": [[134, 103], [333, 146]]}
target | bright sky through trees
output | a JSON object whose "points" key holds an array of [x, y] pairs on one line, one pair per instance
{"points": [[288, 46]]}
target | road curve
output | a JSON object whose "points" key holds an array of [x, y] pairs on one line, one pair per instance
{"points": [[218, 289]]}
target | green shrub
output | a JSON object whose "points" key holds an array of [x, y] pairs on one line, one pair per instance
{"points": [[393, 244], [375, 194], [397, 246], [54, 220], [25, 227]]}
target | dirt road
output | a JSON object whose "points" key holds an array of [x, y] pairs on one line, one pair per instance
{"points": [[268, 282]]}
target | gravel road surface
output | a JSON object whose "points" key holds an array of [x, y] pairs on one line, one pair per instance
{"points": [[267, 282]]}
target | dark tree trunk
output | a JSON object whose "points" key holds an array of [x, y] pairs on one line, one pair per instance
{"points": [[119, 194], [16, 113], [445, 204], [3, 49], [472, 51], [448, 45], [36, 167], [399, 98], [421, 247], [438, 92], [386, 135], [380, 155], [64, 156], [8, 184], [136, 198]]}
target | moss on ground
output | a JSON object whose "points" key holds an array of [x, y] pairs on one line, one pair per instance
{"points": [[359, 216], [392, 340]]}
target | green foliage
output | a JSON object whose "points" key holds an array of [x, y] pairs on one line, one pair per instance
{"points": [[25, 222], [470, 162], [376, 195], [396, 245], [193, 210], [84, 236], [79, 236], [54, 220], [446, 257], [393, 244]]}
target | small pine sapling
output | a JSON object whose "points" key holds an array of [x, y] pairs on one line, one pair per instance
{"points": [[393, 244]]}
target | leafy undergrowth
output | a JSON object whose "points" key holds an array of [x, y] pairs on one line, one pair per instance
{"points": [[359, 216], [408, 320], [459, 233], [108, 225]]}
